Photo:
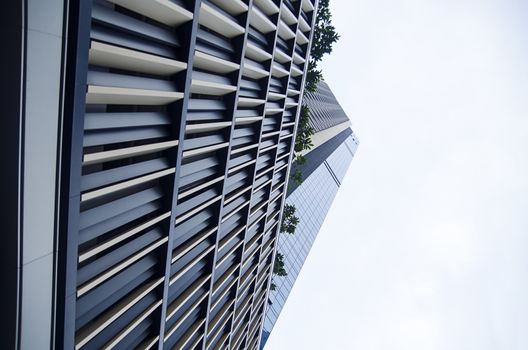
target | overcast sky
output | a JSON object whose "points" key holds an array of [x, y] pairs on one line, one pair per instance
{"points": [[426, 246]]}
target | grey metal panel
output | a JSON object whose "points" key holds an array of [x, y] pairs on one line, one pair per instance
{"points": [[325, 110]]}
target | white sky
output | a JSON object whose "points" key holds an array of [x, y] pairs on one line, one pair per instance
{"points": [[426, 246]]}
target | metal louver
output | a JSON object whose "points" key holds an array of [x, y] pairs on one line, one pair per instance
{"points": [[187, 132]]}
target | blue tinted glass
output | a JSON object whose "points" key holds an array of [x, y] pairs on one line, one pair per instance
{"points": [[312, 200]]}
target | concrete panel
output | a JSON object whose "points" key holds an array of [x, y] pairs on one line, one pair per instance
{"points": [[46, 16], [36, 302], [42, 114]]}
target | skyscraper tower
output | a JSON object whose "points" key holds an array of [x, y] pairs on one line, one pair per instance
{"points": [[327, 162]]}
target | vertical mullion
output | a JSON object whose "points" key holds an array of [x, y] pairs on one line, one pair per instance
{"points": [[259, 268], [183, 118], [255, 172], [226, 168], [79, 26], [301, 92]]}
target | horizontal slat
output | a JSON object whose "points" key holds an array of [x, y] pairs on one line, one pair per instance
{"points": [[185, 315], [164, 11], [228, 254], [270, 134], [250, 277], [256, 53], [281, 56], [197, 151], [256, 222], [242, 308], [249, 102], [254, 210], [303, 25], [264, 150], [273, 96], [254, 72], [298, 59], [243, 149], [117, 268], [200, 187], [263, 185], [135, 27], [190, 265], [222, 343], [197, 209], [220, 327], [285, 32], [111, 242], [286, 137], [149, 344], [188, 335], [301, 38], [236, 195], [239, 336], [106, 55], [121, 335], [293, 92], [126, 96], [248, 120], [260, 21], [178, 303], [184, 249], [236, 210], [224, 293], [205, 127], [295, 71], [94, 328], [226, 240], [215, 322], [234, 7], [287, 15], [116, 120], [220, 282], [210, 88], [307, 5], [212, 63], [105, 156], [122, 185], [268, 6], [216, 21], [282, 167]]}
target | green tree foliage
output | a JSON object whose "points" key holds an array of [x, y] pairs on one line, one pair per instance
{"points": [[289, 220], [300, 159], [297, 177], [324, 37], [303, 138], [325, 34], [278, 266], [273, 286], [313, 77]]}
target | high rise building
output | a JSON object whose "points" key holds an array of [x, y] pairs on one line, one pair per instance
{"points": [[327, 162], [146, 149]]}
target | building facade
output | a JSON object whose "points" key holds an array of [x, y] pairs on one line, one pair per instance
{"points": [[323, 172], [148, 151]]}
